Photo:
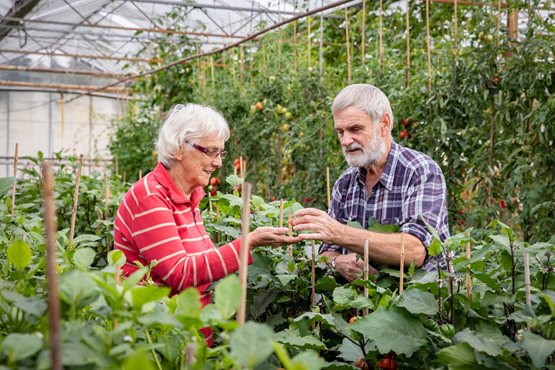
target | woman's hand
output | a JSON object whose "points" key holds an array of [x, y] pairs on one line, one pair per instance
{"points": [[271, 236]]}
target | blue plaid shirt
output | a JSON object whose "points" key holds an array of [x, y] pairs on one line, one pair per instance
{"points": [[410, 188]]}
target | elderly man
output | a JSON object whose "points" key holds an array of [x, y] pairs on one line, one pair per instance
{"points": [[385, 182]]}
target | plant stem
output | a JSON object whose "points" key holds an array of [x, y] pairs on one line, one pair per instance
{"points": [[153, 351]]}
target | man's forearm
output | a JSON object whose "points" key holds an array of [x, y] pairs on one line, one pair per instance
{"points": [[382, 248]]}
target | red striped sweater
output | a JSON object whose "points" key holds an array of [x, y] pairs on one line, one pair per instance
{"points": [[155, 221]]}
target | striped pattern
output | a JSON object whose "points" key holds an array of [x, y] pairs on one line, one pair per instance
{"points": [[156, 222], [411, 187]]}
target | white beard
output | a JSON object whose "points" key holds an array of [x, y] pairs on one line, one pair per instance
{"points": [[368, 156]]}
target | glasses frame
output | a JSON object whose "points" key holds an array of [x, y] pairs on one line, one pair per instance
{"points": [[212, 153]]}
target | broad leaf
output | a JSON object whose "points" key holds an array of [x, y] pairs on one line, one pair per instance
{"points": [[293, 339], [538, 348], [343, 295], [459, 357], [227, 296], [392, 330], [77, 289], [308, 360], [417, 301], [250, 344], [19, 346], [19, 254], [84, 257], [144, 294], [6, 183], [34, 305], [480, 342], [116, 258]]}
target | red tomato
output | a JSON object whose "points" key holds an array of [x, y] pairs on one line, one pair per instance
{"points": [[403, 134], [214, 181]]}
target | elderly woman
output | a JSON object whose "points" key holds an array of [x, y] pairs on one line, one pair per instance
{"points": [[159, 219]]}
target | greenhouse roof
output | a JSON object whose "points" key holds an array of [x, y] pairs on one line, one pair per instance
{"points": [[67, 41]]}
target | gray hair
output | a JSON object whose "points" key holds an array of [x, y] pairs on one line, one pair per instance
{"points": [[189, 122], [365, 97]]}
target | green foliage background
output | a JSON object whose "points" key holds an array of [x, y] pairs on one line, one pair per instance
{"points": [[480, 91]]}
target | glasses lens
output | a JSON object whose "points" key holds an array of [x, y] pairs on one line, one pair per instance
{"points": [[223, 154]]}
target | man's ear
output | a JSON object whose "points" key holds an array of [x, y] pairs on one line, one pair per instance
{"points": [[385, 124]]}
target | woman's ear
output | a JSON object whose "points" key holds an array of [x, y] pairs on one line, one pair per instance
{"points": [[178, 156]]}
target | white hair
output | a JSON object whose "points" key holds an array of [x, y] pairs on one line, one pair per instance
{"points": [[188, 123], [365, 97]]}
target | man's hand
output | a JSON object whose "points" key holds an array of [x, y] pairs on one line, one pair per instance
{"points": [[271, 236], [323, 227], [351, 267]]}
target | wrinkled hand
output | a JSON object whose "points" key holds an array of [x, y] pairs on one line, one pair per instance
{"points": [[323, 227], [351, 266], [271, 236]]}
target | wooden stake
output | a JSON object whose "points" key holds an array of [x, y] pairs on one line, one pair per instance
{"points": [[62, 119], [313, 276], [347, 46], [117, 168], [210, 205], [281, 213], [212, 74], [14, 186], [328, 189], [241, 67], [241, 167], [140, 174], [428, 45], [455, 25], [407, 61], [244, 256], [118, 275], [497, 31], [217, 211], [366, 268], [107, 193], [51, 276], [75, 199], [402, 264], [363, 33], [290, 233], [468, 279], [295, 45], [527, 278], [309, 41], [381, 36], [321, 41]]}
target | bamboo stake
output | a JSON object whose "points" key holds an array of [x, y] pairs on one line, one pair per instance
{"points": [[321, 51], [75, 199], [328, 189], [295, 45], [455, 25], [14, 186], [527, 278], [241, 67], [402, 264], [428, 45], [497, 30], [217, 211], [290, 233], [52, 278], [348, 46], [118, 275], [468, 279], [313, 276], [210, 205], [140, 174], [381, 36], [366, 268], [117, 168], [407, 61], [241, 166], [212, 74], [62, 119], [490, 157], [107, 193], [308, 23], [363, 32], [281, 213], [243, 259]]}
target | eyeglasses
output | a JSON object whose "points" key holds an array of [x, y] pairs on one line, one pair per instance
{"points": [[212, 153]]}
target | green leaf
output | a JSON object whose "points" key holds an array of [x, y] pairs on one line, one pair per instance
{"points": [[228, 230], [187, 303], [6, 183], [292, 339], [434, 248], [77, 289], [138, 360], [144, 294], [116, 258], [34, 305], [19, 346], [308, 360], [84, 257], [343, 295], [251, 344], [234, 200], [227, 296], [234, 180], [458, 357], [482, 343], [417, 301], [351, 352], [538, 348], [392, 330], [19, 254], [159, 318], [285, 279]]}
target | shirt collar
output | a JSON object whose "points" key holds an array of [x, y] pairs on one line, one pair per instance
{"points": [[164, 179], [387, 177]]}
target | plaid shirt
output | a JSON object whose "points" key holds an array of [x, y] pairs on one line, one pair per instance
{"points": [[410, 188]]}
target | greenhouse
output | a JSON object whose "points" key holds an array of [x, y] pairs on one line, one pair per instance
{"points": [[277, 184]]}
